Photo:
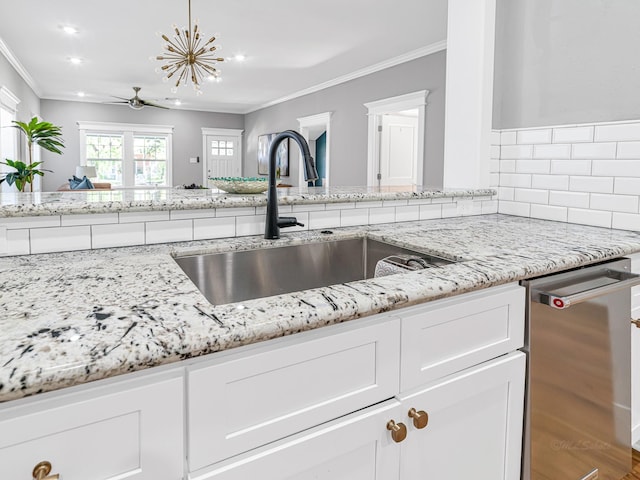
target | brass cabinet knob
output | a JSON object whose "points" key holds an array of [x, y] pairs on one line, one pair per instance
{"points": [[42, 470], [420, 418], [398, 431], [636, 323]]}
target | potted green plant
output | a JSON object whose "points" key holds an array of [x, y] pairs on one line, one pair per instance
{"points": [[40, 133]]}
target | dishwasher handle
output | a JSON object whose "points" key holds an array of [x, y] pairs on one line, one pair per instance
{"points": [[625, 280]]}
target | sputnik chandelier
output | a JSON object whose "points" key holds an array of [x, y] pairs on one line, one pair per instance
{"points": [[188, 57]]}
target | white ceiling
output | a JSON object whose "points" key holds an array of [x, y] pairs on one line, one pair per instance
{"points": [[291, 45]]}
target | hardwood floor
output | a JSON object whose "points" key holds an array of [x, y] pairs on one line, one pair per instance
{"points": [[635, 475]]}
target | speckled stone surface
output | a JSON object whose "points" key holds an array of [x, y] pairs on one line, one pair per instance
{"points": [[105, 201], [71, 318]]}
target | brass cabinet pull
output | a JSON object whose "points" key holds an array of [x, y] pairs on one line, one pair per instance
{"points": [[42, 470], [398, 431], [420, 418]]}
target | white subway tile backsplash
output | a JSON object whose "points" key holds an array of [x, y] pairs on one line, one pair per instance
{"points": [[533, 166], [368, 204], [515, 180], [235, 212], [324, 219], [220, 227], [494, 180], [569, 199], [420, 201], [408, 213], [135, 217], [250, 225], [531, 196], [169, 231], [88, 219], [357, 216], [30, 222], [534, 136], [628, 150], [312, 207], [186, 214], [454, 210], [507, 166], [281, 209], [17, 242], [547, 212], [514, 208], [572, 134], [515, 152], [495, 137], [427, 212], [627, 186], [506, 193], [508, 138], [302, 217], [60, 239], [571, 167], [555, 151], [382, 215], [594, 150], [494, 152], [442, 200], [614, 203], [595, 218], [616, 168], [591, 184], [117, 235], [494, 166], [340, 206], [395, 203], [617, 133], [626, 221], [489, 206], [550, 182]]}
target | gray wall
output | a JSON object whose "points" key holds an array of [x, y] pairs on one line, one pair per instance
{"points": [[29, 101], [349, 120], [566, 61], [187, 135]]}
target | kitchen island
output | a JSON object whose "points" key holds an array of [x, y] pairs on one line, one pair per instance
{"points": [[75, 317]]}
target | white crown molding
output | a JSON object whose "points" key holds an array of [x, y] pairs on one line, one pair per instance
{"points": [[120, 127], [8, 100], [397, 104], [391, 62], [15, 63], [229, 132], [312, 120]]}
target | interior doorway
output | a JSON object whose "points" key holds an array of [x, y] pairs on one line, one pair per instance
{"points": [[397, 140], [316, 130], [222, 152]]}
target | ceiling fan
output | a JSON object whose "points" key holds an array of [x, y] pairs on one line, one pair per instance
{"points": [[136, 102]]}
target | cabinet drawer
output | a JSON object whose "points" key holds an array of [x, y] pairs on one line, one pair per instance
{"points": [[452, 334], [260, 396], [110, 432]]}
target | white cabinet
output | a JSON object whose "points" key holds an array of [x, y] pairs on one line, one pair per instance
{"points": [[474, 427], [635, 355], [315, 405], [126, 429]]}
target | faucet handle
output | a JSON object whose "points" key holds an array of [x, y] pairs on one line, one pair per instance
{"points": [[284, 222]]}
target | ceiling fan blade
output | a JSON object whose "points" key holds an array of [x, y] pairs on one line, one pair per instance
{"points": [[121, 98], [116, 103], [151, 104]]}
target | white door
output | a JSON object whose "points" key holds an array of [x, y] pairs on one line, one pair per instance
{"points": [[354, 447], [398, 150], [474, 428], [222, 156]]}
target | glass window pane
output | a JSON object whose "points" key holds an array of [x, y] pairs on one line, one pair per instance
{"points": [[151, 173], [214, 143], [214, 151], [229, 152], [229, 144], [108, 171]]}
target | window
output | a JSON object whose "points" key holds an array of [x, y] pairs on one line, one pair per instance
{"points": [[128, 155], [221, 148], [8, 136]]}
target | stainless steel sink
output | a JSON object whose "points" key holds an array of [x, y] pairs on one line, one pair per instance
{"points": [[235, 276]]}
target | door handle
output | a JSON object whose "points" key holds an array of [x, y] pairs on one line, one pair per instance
{"points": [[625, 280]]}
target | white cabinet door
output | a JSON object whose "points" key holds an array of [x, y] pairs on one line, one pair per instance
{"points": [[475, 424], [128, 429], [354, 447]]}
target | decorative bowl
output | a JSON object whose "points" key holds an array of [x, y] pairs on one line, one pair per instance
{"points": [[241, 184]]}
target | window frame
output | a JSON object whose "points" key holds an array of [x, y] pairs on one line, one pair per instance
{"points": [[128, 132]]}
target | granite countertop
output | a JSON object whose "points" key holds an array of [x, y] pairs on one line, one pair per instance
{"points": [[71, 318], [105, 201]]}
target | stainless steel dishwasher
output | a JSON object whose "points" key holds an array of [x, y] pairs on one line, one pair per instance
{"points": [[578, 345]]}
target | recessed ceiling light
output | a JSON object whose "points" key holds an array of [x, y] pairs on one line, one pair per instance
{"points": [[177, 103], [75, 60], [70, 30], [81, 94]]}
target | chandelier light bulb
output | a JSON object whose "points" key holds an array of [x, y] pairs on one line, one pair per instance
{"points": [[174, 89]]}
